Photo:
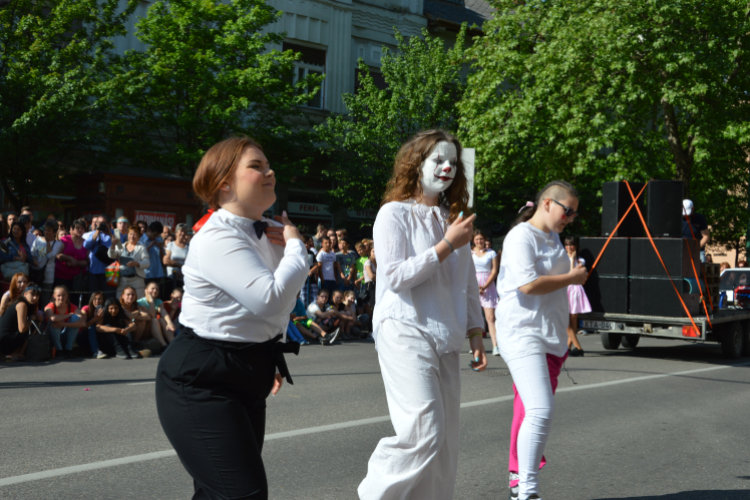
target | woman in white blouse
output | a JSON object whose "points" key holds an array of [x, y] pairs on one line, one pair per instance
{"points": [[242, 276], [427, 301]]}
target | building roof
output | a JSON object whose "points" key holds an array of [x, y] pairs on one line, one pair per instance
{"points": [[458, 12]]}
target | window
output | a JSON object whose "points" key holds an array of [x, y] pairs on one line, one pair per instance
{"points": [[312, 62]]}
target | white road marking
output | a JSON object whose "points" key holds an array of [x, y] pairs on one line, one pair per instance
{"points": [[326, 428], [143, 383]]}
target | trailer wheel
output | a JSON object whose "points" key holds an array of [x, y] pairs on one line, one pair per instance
{"points": [[733, 340], [611, 341], [630, 341]]}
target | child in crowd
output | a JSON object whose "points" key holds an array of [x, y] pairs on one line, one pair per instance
{"points": [[93, 314], [361, 249], [329, 268], [305, 325], [310, 288], [327, 320], [64, 323], [577, 300], [173, 307], [347, 260], [346, 313], [116, 333], [136, 314], [162, 327]]}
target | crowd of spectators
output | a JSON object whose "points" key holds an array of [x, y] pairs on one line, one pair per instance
{"points": [[114, 290]]}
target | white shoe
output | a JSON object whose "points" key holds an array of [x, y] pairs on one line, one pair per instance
{"points": [[496, 351]]}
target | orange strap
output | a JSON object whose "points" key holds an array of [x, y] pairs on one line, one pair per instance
{"points": [[648, 233], [598, 258]]}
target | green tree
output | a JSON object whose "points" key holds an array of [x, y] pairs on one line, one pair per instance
{"points": [[424, 83], [52, 57], [205, 74], [595, 90]]}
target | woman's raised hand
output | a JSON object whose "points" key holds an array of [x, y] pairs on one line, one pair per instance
{"points": [[459, 233], [280, 235]]}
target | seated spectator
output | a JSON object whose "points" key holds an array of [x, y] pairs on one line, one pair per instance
{"points": [[134, 261], [15, 324], [18, 284], [135, 313], [329, 267], [162, 327], [71, 263], [305, 325], [294, 335], [18, 257], [346, 314], [327, 320], [116, 333], [173, 308], [93, 313], [63, 322], [360, 321]]}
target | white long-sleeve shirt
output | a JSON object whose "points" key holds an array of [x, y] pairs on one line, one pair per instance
{"points": [[239, 288], [414, 287]]}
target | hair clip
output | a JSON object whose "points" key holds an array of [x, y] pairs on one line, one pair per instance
{"points": [[529, 204]]}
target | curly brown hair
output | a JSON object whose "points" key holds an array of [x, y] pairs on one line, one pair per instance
{"points": [[404, 182]]}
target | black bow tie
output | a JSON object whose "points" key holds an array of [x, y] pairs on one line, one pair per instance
{"points": [[259, 227]]}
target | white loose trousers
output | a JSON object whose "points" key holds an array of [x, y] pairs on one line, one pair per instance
{"points": [[423, 389]]}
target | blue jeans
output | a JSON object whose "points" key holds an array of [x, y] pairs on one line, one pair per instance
{"points": [[293, 333], [55, 334]]}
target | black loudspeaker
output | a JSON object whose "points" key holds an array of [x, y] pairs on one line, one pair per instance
{"points": [[656, 297], [607, 294], [616, 257], [615, 201], [664, 208], [676, 253]]}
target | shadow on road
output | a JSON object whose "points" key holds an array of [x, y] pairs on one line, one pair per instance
{"points": [[691, 495], [73, 383]]}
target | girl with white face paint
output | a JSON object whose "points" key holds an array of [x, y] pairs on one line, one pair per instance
{"points": [[427, 301], [531, 322]]}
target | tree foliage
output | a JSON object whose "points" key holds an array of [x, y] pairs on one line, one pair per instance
{"points": [[424, 83], [596, 90], [52, 57], [205, 74]]}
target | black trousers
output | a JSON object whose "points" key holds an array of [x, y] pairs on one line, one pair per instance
{"points": [[211, 400]]}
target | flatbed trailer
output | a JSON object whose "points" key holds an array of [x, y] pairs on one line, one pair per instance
{"points": [[730, 327]]}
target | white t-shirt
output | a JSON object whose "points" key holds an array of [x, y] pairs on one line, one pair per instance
{"points": [[531, 324], [484, 264], [327, 259], [311, 310], [373, 268], [177, 254]]}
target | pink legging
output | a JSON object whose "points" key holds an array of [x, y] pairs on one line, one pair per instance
{"points": [[554, 364]]}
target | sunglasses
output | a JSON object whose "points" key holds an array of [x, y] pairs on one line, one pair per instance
{"points": [[569, 212]]}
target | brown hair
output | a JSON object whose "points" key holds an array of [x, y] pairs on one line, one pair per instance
{"points": [[477, 232], [404, 182], [135, 302], [217, 167], [15, 291], [135, 228]]}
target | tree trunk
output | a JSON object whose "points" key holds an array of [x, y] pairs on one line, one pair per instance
{"points": [[683, 156], [15, 200]]}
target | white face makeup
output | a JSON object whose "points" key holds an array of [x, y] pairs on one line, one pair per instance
{"points": [[439, 169]]}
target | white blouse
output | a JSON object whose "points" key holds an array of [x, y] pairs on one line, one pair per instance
{"points": [[531, 324], [441, 299], [483, 264], [239, 288]]}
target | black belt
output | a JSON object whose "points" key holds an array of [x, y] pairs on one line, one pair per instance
{"points": [[272, 347]]}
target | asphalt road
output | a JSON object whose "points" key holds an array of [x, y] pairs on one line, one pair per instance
{"points": [[667, 421]]}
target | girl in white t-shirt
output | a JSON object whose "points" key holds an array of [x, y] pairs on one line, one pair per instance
{"points": [[428, 300], [532, 321], [486, 264]]}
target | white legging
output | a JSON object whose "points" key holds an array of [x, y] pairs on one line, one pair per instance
{"points": [[531, 376]]}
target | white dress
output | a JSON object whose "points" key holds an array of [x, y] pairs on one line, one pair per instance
{"points": [[424, 309]]}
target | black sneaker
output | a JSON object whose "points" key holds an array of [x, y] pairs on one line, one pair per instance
{"points": [[322, 340]]}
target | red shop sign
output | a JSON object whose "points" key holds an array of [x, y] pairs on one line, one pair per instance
{"points": [[166, 218]]}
